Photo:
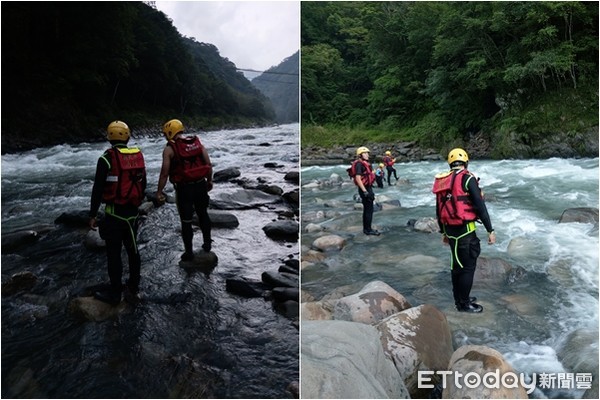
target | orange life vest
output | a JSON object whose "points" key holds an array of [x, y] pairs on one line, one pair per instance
{"points": [[454, 204], [189, 164], [126, 177]]}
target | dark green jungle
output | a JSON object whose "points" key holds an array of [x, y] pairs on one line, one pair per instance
{"points": [[69, 68], [520, 76]]}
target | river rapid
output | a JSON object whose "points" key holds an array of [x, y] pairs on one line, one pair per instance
{"points": [[529, 317], [188, 337]]}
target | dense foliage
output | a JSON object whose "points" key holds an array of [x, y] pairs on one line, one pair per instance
{"points": [[69, 68], [281, 85], [439, 71]]}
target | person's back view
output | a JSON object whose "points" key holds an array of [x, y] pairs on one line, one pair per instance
{"points": [[119, 183], [185, 162]]}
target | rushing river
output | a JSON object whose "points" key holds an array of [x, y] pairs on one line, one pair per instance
{"points": [[188, 337], [527, 318]]}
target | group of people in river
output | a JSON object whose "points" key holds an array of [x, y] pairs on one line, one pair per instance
{"points": [[120, 183], [459, 205]]}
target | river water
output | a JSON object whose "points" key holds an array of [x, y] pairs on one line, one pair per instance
{"points": [[188, 337], [527, 318]]}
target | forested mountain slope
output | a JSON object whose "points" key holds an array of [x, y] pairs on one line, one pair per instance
{"points": [[281, 85], [69, 68], [518, 73]]}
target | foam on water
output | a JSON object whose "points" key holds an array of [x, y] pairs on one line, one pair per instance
{"points": [[526, 200]]}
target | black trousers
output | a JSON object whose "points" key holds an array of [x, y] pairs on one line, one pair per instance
{"points": [[465, 251], [118, 232], [367, 216], [379, 180], [193, 197], [390, 171]]}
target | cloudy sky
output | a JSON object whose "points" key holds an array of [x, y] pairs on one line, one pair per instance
{"points": [[252, 34]]}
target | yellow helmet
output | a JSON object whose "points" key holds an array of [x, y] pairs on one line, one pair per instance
{"points": [[361, 150], [388, 153], [457, 154], [172, 128], [118, 130], [381, 165]]}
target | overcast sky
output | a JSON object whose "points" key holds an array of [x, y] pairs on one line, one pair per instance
{"points": [[252, 34]]}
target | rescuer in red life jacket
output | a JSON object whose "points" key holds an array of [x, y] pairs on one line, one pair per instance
{"points": [[389, 165], [459, 203], [185, 162], [363, 176], [119, 183]]}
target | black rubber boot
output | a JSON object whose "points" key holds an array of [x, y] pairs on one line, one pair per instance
{"points": [[371, 232], [471, 300], [109, 296], [469, 307]]}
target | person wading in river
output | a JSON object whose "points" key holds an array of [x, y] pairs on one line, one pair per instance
{"points": [[185, 162], [459, 203], [361, 173], [389, 165], [120, 183]]}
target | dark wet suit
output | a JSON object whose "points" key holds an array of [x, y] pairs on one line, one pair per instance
{"points": [[190, 197], [390, 169], [465, 245], [119, 228], [367, 200]]}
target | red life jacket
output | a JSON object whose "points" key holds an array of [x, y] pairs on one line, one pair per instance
{"points": [[388, 161], [367, 178], [189, 164], [454, 205], [126, 179]]}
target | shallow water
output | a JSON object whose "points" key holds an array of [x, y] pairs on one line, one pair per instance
{"points": [[189, 337], [525, 318]]}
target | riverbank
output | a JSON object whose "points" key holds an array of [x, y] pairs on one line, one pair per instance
{"points": [[479, 146], [150, 127]]}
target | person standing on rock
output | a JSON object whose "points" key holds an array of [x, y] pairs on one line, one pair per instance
{"points": [[120, 183], [459, 203], [389, 165], [363, 178], [380, 176], [185, 162]]}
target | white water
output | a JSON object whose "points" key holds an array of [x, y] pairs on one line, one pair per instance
{"points": [[207, 341], [525, 201]]}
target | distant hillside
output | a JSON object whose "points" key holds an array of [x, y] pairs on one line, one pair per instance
{"points": [[281, 85], [66, 74]]}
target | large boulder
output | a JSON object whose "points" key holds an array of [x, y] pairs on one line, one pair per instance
{"points": [[329, 243], [282, 230], [586, 215], [220, 219], [226, 174], [374, 302], [13, 241], [480, 362], [341, 359], [91, 309], [280, 279], [21, 281], [578, 353], [203, 261], [492, 271], [314, 311], [242, 199], [417, 339], [93, 241], [427, 224]]}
